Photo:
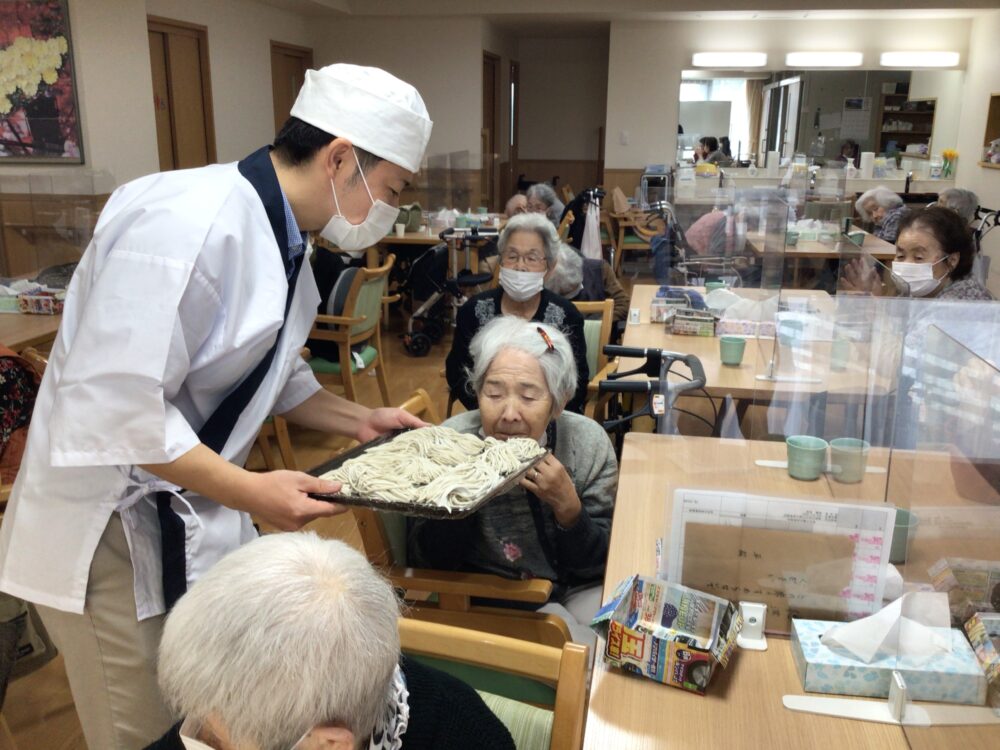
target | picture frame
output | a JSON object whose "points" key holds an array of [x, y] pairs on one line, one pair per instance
{"points": [[39, 109]]}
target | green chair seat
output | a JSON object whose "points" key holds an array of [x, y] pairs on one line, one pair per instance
{"points": [[326, 367], [605, 237], [631, 239], [530, 727], [592, 338]]}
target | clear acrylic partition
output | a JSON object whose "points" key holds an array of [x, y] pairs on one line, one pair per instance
{"points": [[52, 216], [944, 475]]}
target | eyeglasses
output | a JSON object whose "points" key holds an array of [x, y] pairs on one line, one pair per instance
{"points": [[532, 260]]}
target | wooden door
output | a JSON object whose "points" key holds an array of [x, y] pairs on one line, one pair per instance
{"points": [[491, 124], [182, 93], [289, 64]]}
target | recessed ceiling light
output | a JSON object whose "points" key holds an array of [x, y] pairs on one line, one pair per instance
{"points": [[824, 59], [729, 59], [919, 59]]}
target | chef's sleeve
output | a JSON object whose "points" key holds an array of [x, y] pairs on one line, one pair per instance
{"points": [[130, 350], [301, 384]]}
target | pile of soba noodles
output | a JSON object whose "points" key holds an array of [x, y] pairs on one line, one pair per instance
{"points": [[434, 466]]}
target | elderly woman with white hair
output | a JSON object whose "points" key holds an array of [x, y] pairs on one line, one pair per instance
{"points": [[580, 279], [961, 201], [883, 207], [556, 523], [527, 250], [291, 642], [542, 199]]}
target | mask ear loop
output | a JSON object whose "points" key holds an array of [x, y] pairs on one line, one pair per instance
{"points": [[361, 172]]}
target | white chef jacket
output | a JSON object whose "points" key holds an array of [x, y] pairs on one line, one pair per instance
{"points": [[179, 295]]}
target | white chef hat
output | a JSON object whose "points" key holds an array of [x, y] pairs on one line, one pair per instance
{"points": [[371, 108]]}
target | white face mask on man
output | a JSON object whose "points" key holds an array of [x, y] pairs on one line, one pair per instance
{"points": [[521, 286], [356, 237], [919, 276]]}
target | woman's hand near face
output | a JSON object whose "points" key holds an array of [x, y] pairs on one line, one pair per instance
{"points": [[859, 278], [550, 483]]}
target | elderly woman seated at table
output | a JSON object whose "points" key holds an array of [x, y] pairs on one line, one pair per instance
{"points": [[556, 523], [542, 199], [961, 201], [527, 250], [292, 642], [580, 279], [883, 207]]}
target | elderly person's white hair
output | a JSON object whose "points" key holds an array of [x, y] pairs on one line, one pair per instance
{"points": [[531, 223], [544, 193], [509, 332], [881, 196], [288, 632], [963, 202], [566, 278]]}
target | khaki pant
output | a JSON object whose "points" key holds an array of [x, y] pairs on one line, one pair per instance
{"points": [[110, 656]]}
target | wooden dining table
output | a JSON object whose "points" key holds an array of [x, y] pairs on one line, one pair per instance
{"points": [[814, 250], [18, 331], [743, 705]]}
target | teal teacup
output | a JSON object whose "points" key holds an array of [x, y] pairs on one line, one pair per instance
{"points": [[906, 526], [731, 350], [789, 331], [806, 456], [840, 352], [848, 458], [858, 238], [791, 239]]}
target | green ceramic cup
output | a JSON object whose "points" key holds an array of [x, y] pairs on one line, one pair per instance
{"points": [[791, 239], [906, 525], [858, 238], [806, 456], [731, 350], [849, 457], [789, 331], [840, 352]]}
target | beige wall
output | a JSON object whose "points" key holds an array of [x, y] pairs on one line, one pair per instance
{"points": [[646, 60], [239, 46], [982, 78], [564, 84], [945, 86]]}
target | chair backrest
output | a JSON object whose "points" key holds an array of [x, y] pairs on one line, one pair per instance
{"points": [[383, 535], [567, 193], [619, 202], [564, 669], [365, 297], [829, 210], [597, 332], [564, 226]]}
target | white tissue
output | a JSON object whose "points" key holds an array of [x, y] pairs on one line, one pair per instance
{"points": [[867, 163], [916, 626]]}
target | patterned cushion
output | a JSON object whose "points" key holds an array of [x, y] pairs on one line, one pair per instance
{"points": [[530, 727]]}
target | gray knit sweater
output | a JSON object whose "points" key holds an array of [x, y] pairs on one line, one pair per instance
{"points": [[516, 535]]}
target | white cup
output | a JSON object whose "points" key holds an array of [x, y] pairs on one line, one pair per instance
{"points": [[400, 230]]}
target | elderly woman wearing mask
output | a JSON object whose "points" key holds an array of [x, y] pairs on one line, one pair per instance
{"points": [[556, 523], [885, 208], [527, 250], [542, 199], [934, 256], [292, 642]]}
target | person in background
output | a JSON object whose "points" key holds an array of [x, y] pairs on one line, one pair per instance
{"points": [[849, 153], [580, 279], [292, 642], [707, 150], [542, 199], [883, 207], [726, 147], [517, 204], [555, 524], [963, 202], [527, 246]]}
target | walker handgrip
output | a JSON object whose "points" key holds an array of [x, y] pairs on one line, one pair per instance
{"points": [[613, 350], [625, 386]]}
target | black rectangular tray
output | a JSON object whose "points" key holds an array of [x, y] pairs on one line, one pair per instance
{"points": [[411, 509]]}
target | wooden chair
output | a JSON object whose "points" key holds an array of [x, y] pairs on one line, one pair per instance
{"points": [[383, 536], [277, 428], [631, 229], [597, 333], [567, 193], [564, 226], [358, 324], [478, 657]]}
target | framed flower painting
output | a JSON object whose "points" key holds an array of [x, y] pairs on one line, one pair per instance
{"points": [[39, 116]]}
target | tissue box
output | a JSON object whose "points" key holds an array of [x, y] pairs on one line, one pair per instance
{"points": [[667, 632], [983, 629], [950, 678], [732, 327]]}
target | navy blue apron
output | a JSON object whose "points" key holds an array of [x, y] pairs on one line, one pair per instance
{"points": [[259, 172]]}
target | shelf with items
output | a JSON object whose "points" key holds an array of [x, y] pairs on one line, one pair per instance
{"points": [[916, 116], [991, 138]]}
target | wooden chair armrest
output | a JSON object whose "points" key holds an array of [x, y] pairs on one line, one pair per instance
{"points": [[535, 590], [339, 320], [602, 374], [391, 298]]}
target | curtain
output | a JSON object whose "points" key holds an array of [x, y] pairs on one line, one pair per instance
{"points": [[755, 106]]}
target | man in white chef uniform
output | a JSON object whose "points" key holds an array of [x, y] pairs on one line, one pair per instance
{"points": [[181, 335]]}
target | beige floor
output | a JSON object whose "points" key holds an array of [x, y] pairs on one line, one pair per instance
{"points": [[39, 708]]}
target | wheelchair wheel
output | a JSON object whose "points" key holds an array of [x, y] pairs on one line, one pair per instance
{"points": [[433, 329], [418, 344]]}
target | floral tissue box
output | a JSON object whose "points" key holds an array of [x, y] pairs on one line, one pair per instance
{"points": [[956, 677]]}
